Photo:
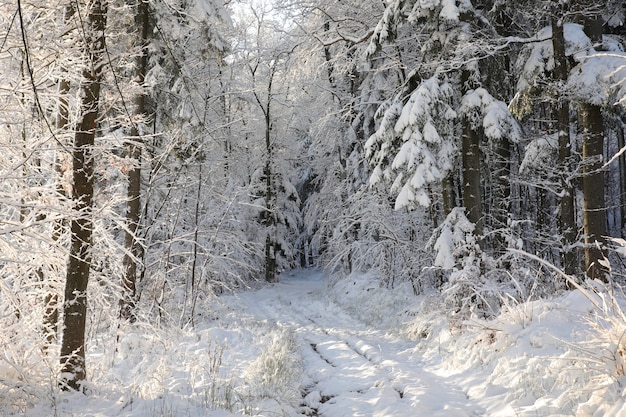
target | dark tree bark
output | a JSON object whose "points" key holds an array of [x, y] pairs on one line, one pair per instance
{"points": [[470, 161], [75, 302], [448, 194], [472, 196], [270, 222], [133, 151], [566, 221], [621, 143], [268, 217], [594, 206], [501, 191]]}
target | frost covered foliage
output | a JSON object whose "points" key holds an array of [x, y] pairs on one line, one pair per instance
{"points": [[598, 77], [414, 146], [539, 157], [35, 210], [454, 242], [489, 114], [398, 10], [374, 237], [199, 241], [460, 256], [278, 213], [204, 174], [276, 371], [536, 60], [445, 10], [475, 284]]}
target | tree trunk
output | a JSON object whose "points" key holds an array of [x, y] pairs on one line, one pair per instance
{"points": [[75, 303], [470, 160], [471, 176], [51, 313], [566, 221], [448, 194], [133, 205], [270, 245], [622, 174], [594, 207]]}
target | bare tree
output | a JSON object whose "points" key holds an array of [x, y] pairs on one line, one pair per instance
{"points": [[79, 263]]}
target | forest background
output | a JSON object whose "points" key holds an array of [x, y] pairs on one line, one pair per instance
{"points": [[156, 154]]}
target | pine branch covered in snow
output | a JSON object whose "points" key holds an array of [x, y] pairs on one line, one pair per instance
{"points": [[454, 241], [414, 146], [485, 112]]}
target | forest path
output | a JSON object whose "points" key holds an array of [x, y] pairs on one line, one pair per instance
{"points": [[350, 368]]}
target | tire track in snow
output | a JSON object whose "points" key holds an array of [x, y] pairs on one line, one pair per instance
{"points": [[350, 368]]}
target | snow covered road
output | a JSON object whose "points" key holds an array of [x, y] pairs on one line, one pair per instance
{"points": [[349, 368], [303, 348]]}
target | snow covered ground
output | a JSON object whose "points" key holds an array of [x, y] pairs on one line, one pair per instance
{"points": [[306, 347]]}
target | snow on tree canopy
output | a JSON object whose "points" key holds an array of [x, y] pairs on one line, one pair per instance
{"points": [[413, 145], [213, 13], [540, 155], [537, 59], [385, 28], [446, 10], [493, 115], [449, 10], [600, 78]]}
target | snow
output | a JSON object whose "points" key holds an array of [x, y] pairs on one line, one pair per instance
{"points": [[452, 239], [540, 154], [311, 346], [449, 10], [600, 78], [538, 58], [427, 149], [493, 115]]}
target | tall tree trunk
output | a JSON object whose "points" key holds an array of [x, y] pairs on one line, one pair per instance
{"points": [[270, 223], [471, 176], [566, 221], [75, 302], [594, 207], [470, 160], [622, 174], [133, 205], [270, 195], [448, 194]]}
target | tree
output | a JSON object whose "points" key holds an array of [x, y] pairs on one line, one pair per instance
{"points": [[564, 62], [134, 152], [268, 60], [567, 221], [200, 213], [474, 115], [80, 257], [594, 209]]}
